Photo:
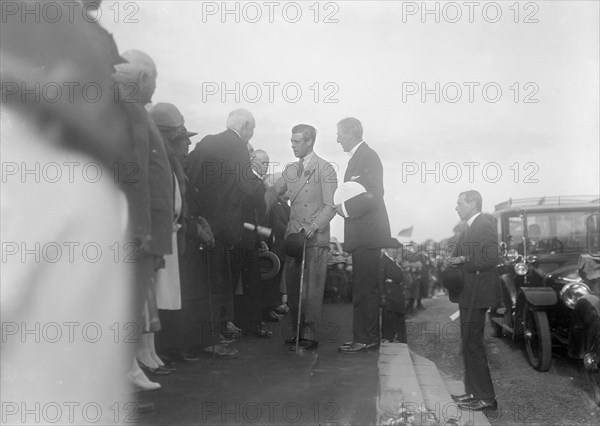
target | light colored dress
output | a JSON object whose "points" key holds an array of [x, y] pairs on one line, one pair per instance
{"points": [[168, 285]]}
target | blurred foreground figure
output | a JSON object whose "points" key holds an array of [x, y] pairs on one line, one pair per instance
{"points": [[66, 295]]}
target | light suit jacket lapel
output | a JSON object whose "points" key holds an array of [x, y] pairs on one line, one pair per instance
{"points": [[309, 170]]}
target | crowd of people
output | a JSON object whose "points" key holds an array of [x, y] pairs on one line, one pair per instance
{"points": [[199, 222]]}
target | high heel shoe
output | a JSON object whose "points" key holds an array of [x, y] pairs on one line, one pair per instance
{"points": [[160, 371], [141, 382]]}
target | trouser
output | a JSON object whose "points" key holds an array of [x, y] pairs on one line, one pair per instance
{"points": [[248, 306], [365, 295], [315, 272], [477, 372], [393, 326]]}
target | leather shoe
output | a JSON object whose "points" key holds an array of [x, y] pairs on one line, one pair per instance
{"points": [[263, 334], [358, 347], [221, 351], [479, 405], [159, 371], [190, 357], [465, 397], [305, 344], [282, 309], [291, 341]]}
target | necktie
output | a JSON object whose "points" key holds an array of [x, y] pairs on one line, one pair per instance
{"points": [[300, 167]]}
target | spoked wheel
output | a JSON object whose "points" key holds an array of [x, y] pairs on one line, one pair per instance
{"points": [[538, 341], [591, 359]]}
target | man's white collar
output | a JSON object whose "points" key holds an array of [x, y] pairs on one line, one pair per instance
{"points": [[353, 150], [472, 219]]}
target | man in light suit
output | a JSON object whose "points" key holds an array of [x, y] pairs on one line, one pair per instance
{"points": [[477, 254], [309, 184], [366, 232]]}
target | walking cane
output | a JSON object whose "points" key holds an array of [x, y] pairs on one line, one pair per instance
{"points": [[210, 302], [300, 295]]}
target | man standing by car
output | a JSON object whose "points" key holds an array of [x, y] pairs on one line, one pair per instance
{"points": [[366, 232], [476, 254]]}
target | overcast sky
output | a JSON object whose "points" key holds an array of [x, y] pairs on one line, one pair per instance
{"points": [[538, 135]]}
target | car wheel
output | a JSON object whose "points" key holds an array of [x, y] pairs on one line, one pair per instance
{"points": [[538, 342], [591, 358]]}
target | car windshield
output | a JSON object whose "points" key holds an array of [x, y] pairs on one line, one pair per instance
{"points": [[550, 232]]}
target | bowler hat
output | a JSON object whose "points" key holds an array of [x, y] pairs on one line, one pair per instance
{"points": [[453, 280], [294, 243], [269, 265]]}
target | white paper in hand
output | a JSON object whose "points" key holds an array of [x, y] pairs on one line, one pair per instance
{"points": [[346, 191]]}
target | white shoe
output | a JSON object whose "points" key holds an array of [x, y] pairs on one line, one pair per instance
{"points": [[141, 382]]}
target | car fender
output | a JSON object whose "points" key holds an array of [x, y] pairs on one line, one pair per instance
{"points": [[538, 297], [509, 284], [585, 314]]}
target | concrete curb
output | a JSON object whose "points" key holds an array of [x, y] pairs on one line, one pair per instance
{"points": [[412, 391]]}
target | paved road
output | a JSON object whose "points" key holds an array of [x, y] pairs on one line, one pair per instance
{"points": [[559, 396], [269, 385]]}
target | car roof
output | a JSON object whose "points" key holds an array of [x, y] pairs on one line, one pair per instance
{"points": [[568, 202]]}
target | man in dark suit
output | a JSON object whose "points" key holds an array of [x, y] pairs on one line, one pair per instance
{"points": [[309, 184], [221, 173], [366, 232], [477, 254]]}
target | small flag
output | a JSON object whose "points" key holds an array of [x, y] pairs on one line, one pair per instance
{"points": [[406, 232]]}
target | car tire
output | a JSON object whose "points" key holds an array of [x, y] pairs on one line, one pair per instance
{"points": [[538, 341], [591, 354]]}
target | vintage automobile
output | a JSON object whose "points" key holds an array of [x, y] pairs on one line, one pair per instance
{"points": [[546, 301], [586, 315]]}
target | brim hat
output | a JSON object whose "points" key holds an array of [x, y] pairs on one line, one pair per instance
{"points": [[293, 245], [453, 280], [168, 118], [269, 265], [347, 190]]}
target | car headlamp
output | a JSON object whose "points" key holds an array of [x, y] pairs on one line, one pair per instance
{"points": [[521, 268], [573, 291], [512, 255]]}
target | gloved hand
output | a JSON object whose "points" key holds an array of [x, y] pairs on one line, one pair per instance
{"points": [[204, 232]]}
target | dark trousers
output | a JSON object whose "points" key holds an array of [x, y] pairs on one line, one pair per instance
{"points": [[365, 295], [202, 285], [477, 372], [249, 305], [393, 326]]}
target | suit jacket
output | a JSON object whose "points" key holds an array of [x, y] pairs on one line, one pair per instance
{"points": [[479, 244], [367, 224], [221, 173], [160, 180], [311, 197], [278, 221], [147, 181], [391, 286]]}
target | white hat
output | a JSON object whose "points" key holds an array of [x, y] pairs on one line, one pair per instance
{"points": [[347, 190]]}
